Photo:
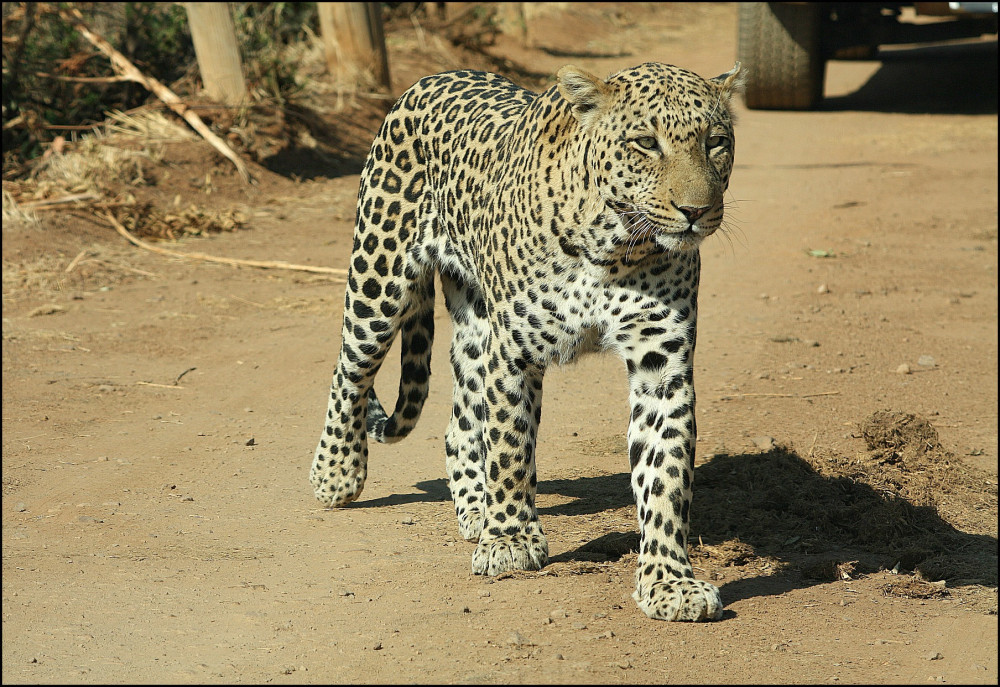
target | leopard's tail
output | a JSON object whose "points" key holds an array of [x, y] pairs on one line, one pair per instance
{"points": [[417, 333]]}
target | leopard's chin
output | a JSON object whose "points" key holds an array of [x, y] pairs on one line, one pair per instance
{"points": [[685, 240]]}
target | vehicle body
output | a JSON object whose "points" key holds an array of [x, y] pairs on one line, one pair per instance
{"points": [[786, 45]]}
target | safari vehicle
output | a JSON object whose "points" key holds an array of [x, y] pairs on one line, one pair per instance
{"points": [[786, 45]]}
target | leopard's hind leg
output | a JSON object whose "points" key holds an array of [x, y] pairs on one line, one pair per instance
{"points": [[464, 441], [390, 289]]}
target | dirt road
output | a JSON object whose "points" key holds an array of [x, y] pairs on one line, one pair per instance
{"points": [[159, 417]]}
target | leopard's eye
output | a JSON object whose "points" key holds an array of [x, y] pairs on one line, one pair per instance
{"points": [[646, 142], [717, 142]]}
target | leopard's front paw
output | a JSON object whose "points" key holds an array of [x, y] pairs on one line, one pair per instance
{"points": [[336, 483], [679, 599], [522, 551]]}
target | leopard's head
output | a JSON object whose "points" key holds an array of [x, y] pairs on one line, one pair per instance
{"points": [[657, 144]]}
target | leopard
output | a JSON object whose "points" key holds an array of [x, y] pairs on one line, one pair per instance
{"points": [[557, 223]]}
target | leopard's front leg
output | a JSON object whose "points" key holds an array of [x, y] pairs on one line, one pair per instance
{"points": [[661, 439], [512, 537]]}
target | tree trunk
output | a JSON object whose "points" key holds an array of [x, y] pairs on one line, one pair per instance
{"points": [[354, 41], [214, 37]]}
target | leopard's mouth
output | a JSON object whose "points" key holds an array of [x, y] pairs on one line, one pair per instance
{"points": [[643, 228]]}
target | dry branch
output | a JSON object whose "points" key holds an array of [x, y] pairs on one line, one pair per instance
{"points": [[730, 397], [129, 71], [263, 264], [83, 79], [48, 204]]}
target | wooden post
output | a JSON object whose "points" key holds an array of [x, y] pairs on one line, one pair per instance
{"points": [[214, 37], [512, 20], [354, 41]]}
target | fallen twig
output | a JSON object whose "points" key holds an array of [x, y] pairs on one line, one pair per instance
{"points": [[730, 397], [263, 264], [46, 204], [75, 261], [129, 71], [159, 386]]}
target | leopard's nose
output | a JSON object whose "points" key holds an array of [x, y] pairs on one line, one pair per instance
{"points": [[693, 213]]}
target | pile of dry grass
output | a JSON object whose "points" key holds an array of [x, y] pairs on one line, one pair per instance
{"points": [[99, 171]]}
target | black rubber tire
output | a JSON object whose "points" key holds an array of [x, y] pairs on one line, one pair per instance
{"points": [[781, 46]]}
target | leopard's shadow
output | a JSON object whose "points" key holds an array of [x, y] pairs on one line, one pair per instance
{"points": [[776, 505]]}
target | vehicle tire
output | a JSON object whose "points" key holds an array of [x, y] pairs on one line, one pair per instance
{"points": [[781, 46]]}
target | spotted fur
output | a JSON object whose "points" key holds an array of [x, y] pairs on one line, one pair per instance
{"points": [[558, 222]]}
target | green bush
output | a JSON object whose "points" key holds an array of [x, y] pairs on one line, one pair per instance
{"points": [[41, 46]]}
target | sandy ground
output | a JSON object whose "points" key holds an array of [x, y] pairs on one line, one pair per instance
{"points": [[159, 417]]}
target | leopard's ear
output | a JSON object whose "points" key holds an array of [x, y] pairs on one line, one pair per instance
{"points": [[732, 82], [587, 94]]}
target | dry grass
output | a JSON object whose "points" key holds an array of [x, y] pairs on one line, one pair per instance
{"points": [[15, 215], [112, 156]]}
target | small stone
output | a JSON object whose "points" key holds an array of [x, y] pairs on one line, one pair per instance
{"points": [[904, 369], [823, 288], [926, 361], [188, 498], [20, 507], [934, 656], [518, 640], [408, 520], [579, 626], [558, 614], [764, 443], [483, 593], [88, 518]]}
